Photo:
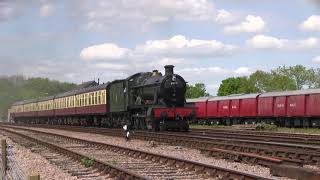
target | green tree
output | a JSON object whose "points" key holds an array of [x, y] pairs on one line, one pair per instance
{"points": [[235, 85], [197, 90], [266, 82], [280, 79], [16, 88], [299, 74]]}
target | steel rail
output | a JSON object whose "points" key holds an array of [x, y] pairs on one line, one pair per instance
{"points": [[212, 171]]}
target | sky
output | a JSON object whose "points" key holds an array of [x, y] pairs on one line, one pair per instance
{"points": [[207, 41]]}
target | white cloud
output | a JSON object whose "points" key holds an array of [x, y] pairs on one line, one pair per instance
{"points": [[173, 61], [211, 75], [200, 70], [224, 17], [46, 10], [265, 42], [105, 14], [178, 46], [107, 51], [270, 42], [311, 24], [242, 71], [174, 49], [316, 60], [252, 24], [111, 66], [308, 43]]}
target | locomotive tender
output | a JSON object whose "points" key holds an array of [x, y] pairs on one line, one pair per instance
{"points": [[146, 100], [299, 108]]}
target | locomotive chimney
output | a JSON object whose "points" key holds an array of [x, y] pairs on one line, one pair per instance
{"points": [[168, 69]]}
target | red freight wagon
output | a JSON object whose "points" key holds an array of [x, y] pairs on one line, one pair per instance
{"points": [[265, 106], [223, 108], [272, 104], [212, 109], [280, 106], [248, 105], [313, 103], [296, 105], [234, 108], [201, 106]]}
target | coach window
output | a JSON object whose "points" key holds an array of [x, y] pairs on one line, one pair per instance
{"points": [[103, 96], [82, 99], [90, 99], [99, 97], [77, 100]]}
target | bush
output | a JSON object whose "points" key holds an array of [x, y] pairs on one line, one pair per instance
{"points": [[87, 162], [266, 127]]}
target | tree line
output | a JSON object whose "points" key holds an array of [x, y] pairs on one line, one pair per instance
{"points": [[16, 88], [279, 79]]}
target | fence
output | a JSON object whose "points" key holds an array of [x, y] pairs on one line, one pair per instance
{"points": [[9, 167]]}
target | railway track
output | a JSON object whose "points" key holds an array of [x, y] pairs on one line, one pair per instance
{"points": [[245, 135], [135, 162], [251, 151]]}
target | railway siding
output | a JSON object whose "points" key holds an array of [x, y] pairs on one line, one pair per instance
{"points": [[199, 168]]}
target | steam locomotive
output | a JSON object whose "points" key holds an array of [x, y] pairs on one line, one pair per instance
{"points": [[145, 100]]}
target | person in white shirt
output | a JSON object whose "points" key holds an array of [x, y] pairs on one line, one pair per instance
{"points": [[127, 132]]}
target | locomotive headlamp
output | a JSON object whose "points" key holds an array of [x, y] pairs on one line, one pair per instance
{"points": [[174, 78]]}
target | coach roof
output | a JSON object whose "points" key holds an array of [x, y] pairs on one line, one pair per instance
{"points": [[201, 99], [234, 96], [291, 93]]}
